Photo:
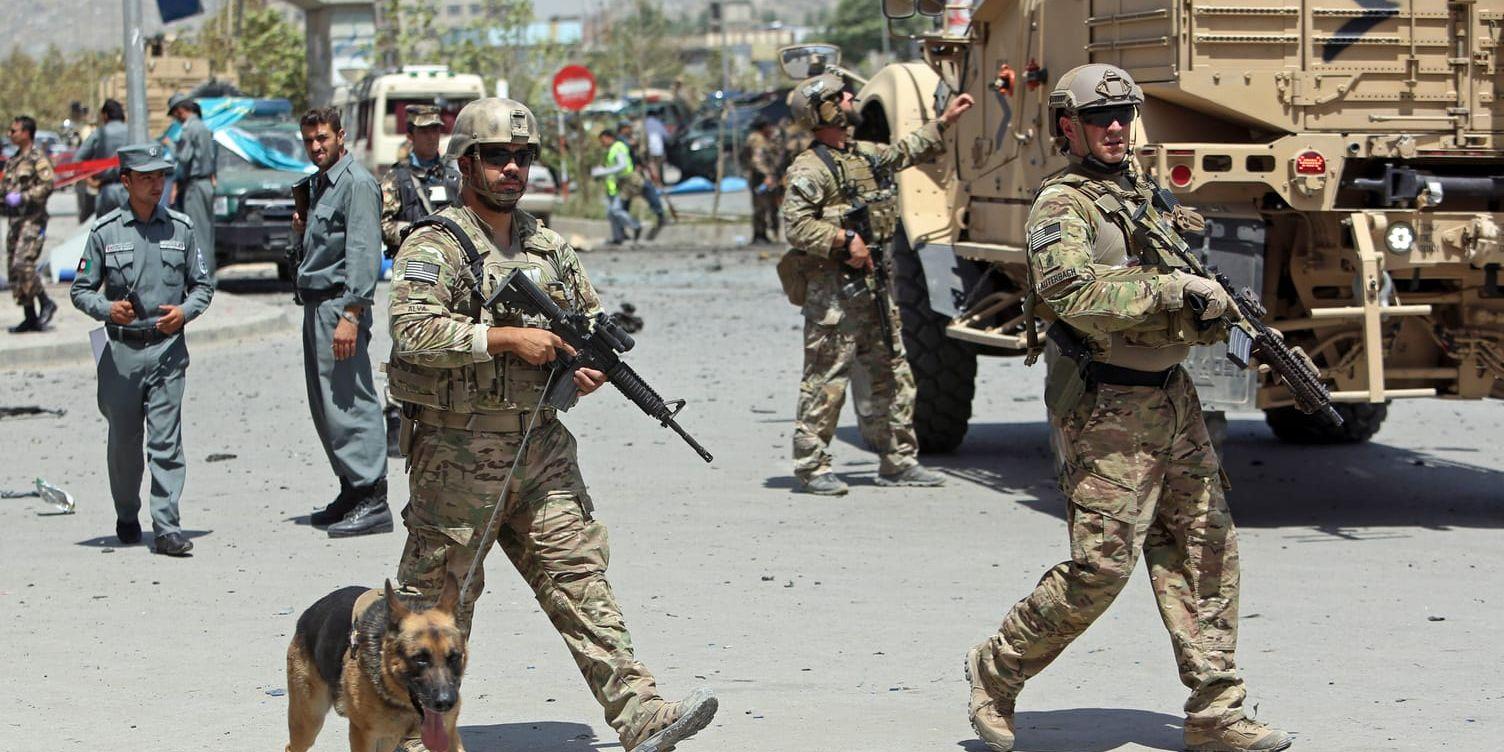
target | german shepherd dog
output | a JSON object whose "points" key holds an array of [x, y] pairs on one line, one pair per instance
{"points": [[391, 669]]}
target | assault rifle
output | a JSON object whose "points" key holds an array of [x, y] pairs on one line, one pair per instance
{"points": [[858, 219], [598, 340], [300, 202], [1265, 344]]}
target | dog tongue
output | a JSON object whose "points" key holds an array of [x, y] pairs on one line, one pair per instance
{"points": [[434, 736]]}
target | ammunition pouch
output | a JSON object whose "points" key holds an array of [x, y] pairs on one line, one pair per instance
{"points": [[793, 275], [1069, 375], [501, 384]]}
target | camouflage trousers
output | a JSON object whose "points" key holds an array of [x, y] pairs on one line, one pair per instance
{"points": [[23, 246], [1140, 474], [765, 205], [841, 332], [546, 530]]}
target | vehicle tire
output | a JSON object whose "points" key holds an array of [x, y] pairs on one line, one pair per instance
{"points": [[1360, 421], [945, 369]]}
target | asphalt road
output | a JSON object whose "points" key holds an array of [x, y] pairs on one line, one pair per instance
{"points": [[1371, 591]]}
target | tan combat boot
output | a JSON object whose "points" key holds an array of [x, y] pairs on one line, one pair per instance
{"points": [[1243, 735], [990, 717], [672, 722]]}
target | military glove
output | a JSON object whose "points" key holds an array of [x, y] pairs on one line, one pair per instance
{"points": [[1213, 301]]}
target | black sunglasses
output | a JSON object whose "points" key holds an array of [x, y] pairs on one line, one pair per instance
{"points": [[1109, 115], [500, 157]]}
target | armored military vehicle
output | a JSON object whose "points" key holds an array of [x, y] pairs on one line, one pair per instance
{"points": [[1346, 153]]}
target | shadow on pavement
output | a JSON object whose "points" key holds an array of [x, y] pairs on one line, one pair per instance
{"points": [[538, 736], [1329, 488], [1090, 730], [110, 541]]}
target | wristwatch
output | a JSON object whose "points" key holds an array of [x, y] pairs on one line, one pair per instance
{"points": [[850, 235], [350, 317]]}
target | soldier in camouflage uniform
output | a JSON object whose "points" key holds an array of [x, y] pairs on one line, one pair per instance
{"points": [[420, 183], [765, 176], [841, 327], [1136, 462], [26, 185], [470, 379]]}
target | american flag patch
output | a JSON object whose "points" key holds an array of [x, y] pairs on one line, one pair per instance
{"points": [[421, 271], [1042, 237]]}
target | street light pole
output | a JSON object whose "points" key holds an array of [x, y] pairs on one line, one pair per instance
{"points": [[135, 72]]}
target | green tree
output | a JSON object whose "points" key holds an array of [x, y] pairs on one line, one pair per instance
{"points": [[45, 88], [266, 53], [272, 57], [636, 49], [858, 29]]}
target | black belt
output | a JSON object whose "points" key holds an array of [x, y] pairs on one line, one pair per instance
{"points": [[1106, 373], [319, 296], [135, 334]]}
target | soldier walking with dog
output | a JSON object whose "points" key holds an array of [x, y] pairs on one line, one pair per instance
{"points": [[142, 273], [827, 275], [471, 379], [1137, 464]]}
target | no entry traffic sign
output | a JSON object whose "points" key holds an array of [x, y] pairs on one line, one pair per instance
{"points": [[574, 87]]}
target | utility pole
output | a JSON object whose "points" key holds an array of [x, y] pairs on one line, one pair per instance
{"points": [[718, 23], [135, 72]]}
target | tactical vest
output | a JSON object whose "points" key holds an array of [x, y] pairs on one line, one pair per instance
{"points": [[505, 383], [861, 180], [416, 206], [1146, 232], [1147, 236]]}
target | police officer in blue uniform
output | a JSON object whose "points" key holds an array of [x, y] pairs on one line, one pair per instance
{"points": [[143, 274]]}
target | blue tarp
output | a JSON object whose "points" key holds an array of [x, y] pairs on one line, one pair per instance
{"points": [[701, 185], [222, 113], [257, 153], [219, 112]]}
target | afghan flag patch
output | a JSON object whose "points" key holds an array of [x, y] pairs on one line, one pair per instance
{"points": [[83, 265]]}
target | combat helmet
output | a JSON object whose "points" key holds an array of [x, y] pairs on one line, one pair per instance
{"points": [[816, 102], [1090, 87], [493, 120]]}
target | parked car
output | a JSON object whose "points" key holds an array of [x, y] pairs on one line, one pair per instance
{"points": [[253, 204], [639, 104], [693, 151]]}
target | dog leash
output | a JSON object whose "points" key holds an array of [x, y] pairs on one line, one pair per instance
{"points": [[488, 535]]}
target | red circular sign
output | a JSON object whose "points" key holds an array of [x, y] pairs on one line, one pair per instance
{"points": [[574, 87]]}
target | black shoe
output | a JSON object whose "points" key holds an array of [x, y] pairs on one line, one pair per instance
{"points": [[393, 432], [657, 227], [337, 509], [128, 531], [370, 516], [49, 309], [637, 234], [173, 544], [28, 324]]}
